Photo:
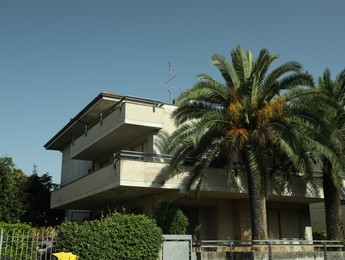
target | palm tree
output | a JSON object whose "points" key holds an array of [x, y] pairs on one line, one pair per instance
{"points": [[334, 90], [247, 117]]}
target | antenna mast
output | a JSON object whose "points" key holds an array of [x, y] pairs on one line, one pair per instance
{"points": [[169, 81]]}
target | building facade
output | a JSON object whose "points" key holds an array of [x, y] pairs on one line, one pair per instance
{"points": [[113, 157]]}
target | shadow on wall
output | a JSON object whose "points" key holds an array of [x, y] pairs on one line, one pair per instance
{"points": [[160, 142], [282, 186]]}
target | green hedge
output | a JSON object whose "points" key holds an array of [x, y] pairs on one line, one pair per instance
{"points": [[117, 236], [18, 241], [17, 227]]}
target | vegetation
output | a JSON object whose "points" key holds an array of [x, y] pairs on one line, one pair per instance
{"points": [[17, 227], [26, 198], [11, 206], [334, 92], [170, 218], [319, 235], [37, 201], [256, 117], [23, 246], [117, 236]]}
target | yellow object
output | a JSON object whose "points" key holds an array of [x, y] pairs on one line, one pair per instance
{"points": [[65, 256]]}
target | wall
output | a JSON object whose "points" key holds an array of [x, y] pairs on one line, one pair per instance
{"points": [[73, 169], [159, 137], [318, 217], [288, 220], [225, 220]]}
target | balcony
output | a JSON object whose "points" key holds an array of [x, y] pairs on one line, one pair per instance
{"points": [[132, 174], [135, 174], [113, 130]]}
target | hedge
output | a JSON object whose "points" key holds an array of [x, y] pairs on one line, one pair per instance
{"points": [[117, 236], [18, 241]]}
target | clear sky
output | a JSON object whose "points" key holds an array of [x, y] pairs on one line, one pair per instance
{"points": [[57, 55]]}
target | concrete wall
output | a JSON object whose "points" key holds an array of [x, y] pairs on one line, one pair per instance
{"points": [[318, 217], [265, 255], [73, 169]]}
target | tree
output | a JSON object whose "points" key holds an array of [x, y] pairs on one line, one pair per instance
{"points": [[37, 203], [170, 218], [334, 91], [248, 117], [11, 206]]}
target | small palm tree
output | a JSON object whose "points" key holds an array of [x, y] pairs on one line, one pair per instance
{"points": [[247, 117]]}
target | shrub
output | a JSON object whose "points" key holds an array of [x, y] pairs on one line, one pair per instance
{"points": [[319, 235], [17, 241], [171, 219], [19, 227], [117, 236]]}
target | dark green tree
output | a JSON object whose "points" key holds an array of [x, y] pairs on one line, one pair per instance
{"points": [[38, 212], [170, 218], [11, 207], [248, 118]]}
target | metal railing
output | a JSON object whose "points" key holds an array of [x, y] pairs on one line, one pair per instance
{"points": [[269, 246], [147, 157], [26, 245]]}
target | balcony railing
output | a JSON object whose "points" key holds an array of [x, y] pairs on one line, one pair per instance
{"points": [[147, 157]]}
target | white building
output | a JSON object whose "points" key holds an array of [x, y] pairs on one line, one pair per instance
{"points": [[112, 157]]}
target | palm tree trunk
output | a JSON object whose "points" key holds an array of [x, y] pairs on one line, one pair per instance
{"points": [[332, 208], [257, 205]]}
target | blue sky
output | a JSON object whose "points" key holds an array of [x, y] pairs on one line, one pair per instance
{"points": [[57, 55]]}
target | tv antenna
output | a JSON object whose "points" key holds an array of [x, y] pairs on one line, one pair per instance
{"points": [[171, 77]]}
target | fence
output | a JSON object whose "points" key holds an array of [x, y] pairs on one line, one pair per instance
{"points": [[29, 245], [269, 246], [26, 245]]}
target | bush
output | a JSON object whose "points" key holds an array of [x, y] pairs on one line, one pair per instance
{"points": [[18, 241], [171, 219], [319, 235], [117, 236], [16, 227]]}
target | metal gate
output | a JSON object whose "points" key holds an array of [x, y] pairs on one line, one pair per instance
{"points": [[26, 245]]}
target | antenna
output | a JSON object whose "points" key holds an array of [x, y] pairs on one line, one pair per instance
{"points": [[171, 77]]}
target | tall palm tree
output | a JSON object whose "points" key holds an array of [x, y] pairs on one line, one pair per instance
{"points": [[334, 90], [247, 117]]}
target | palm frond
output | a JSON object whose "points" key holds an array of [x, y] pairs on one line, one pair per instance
{"points": [[198, 172], [243, 64], [227, 70]]}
